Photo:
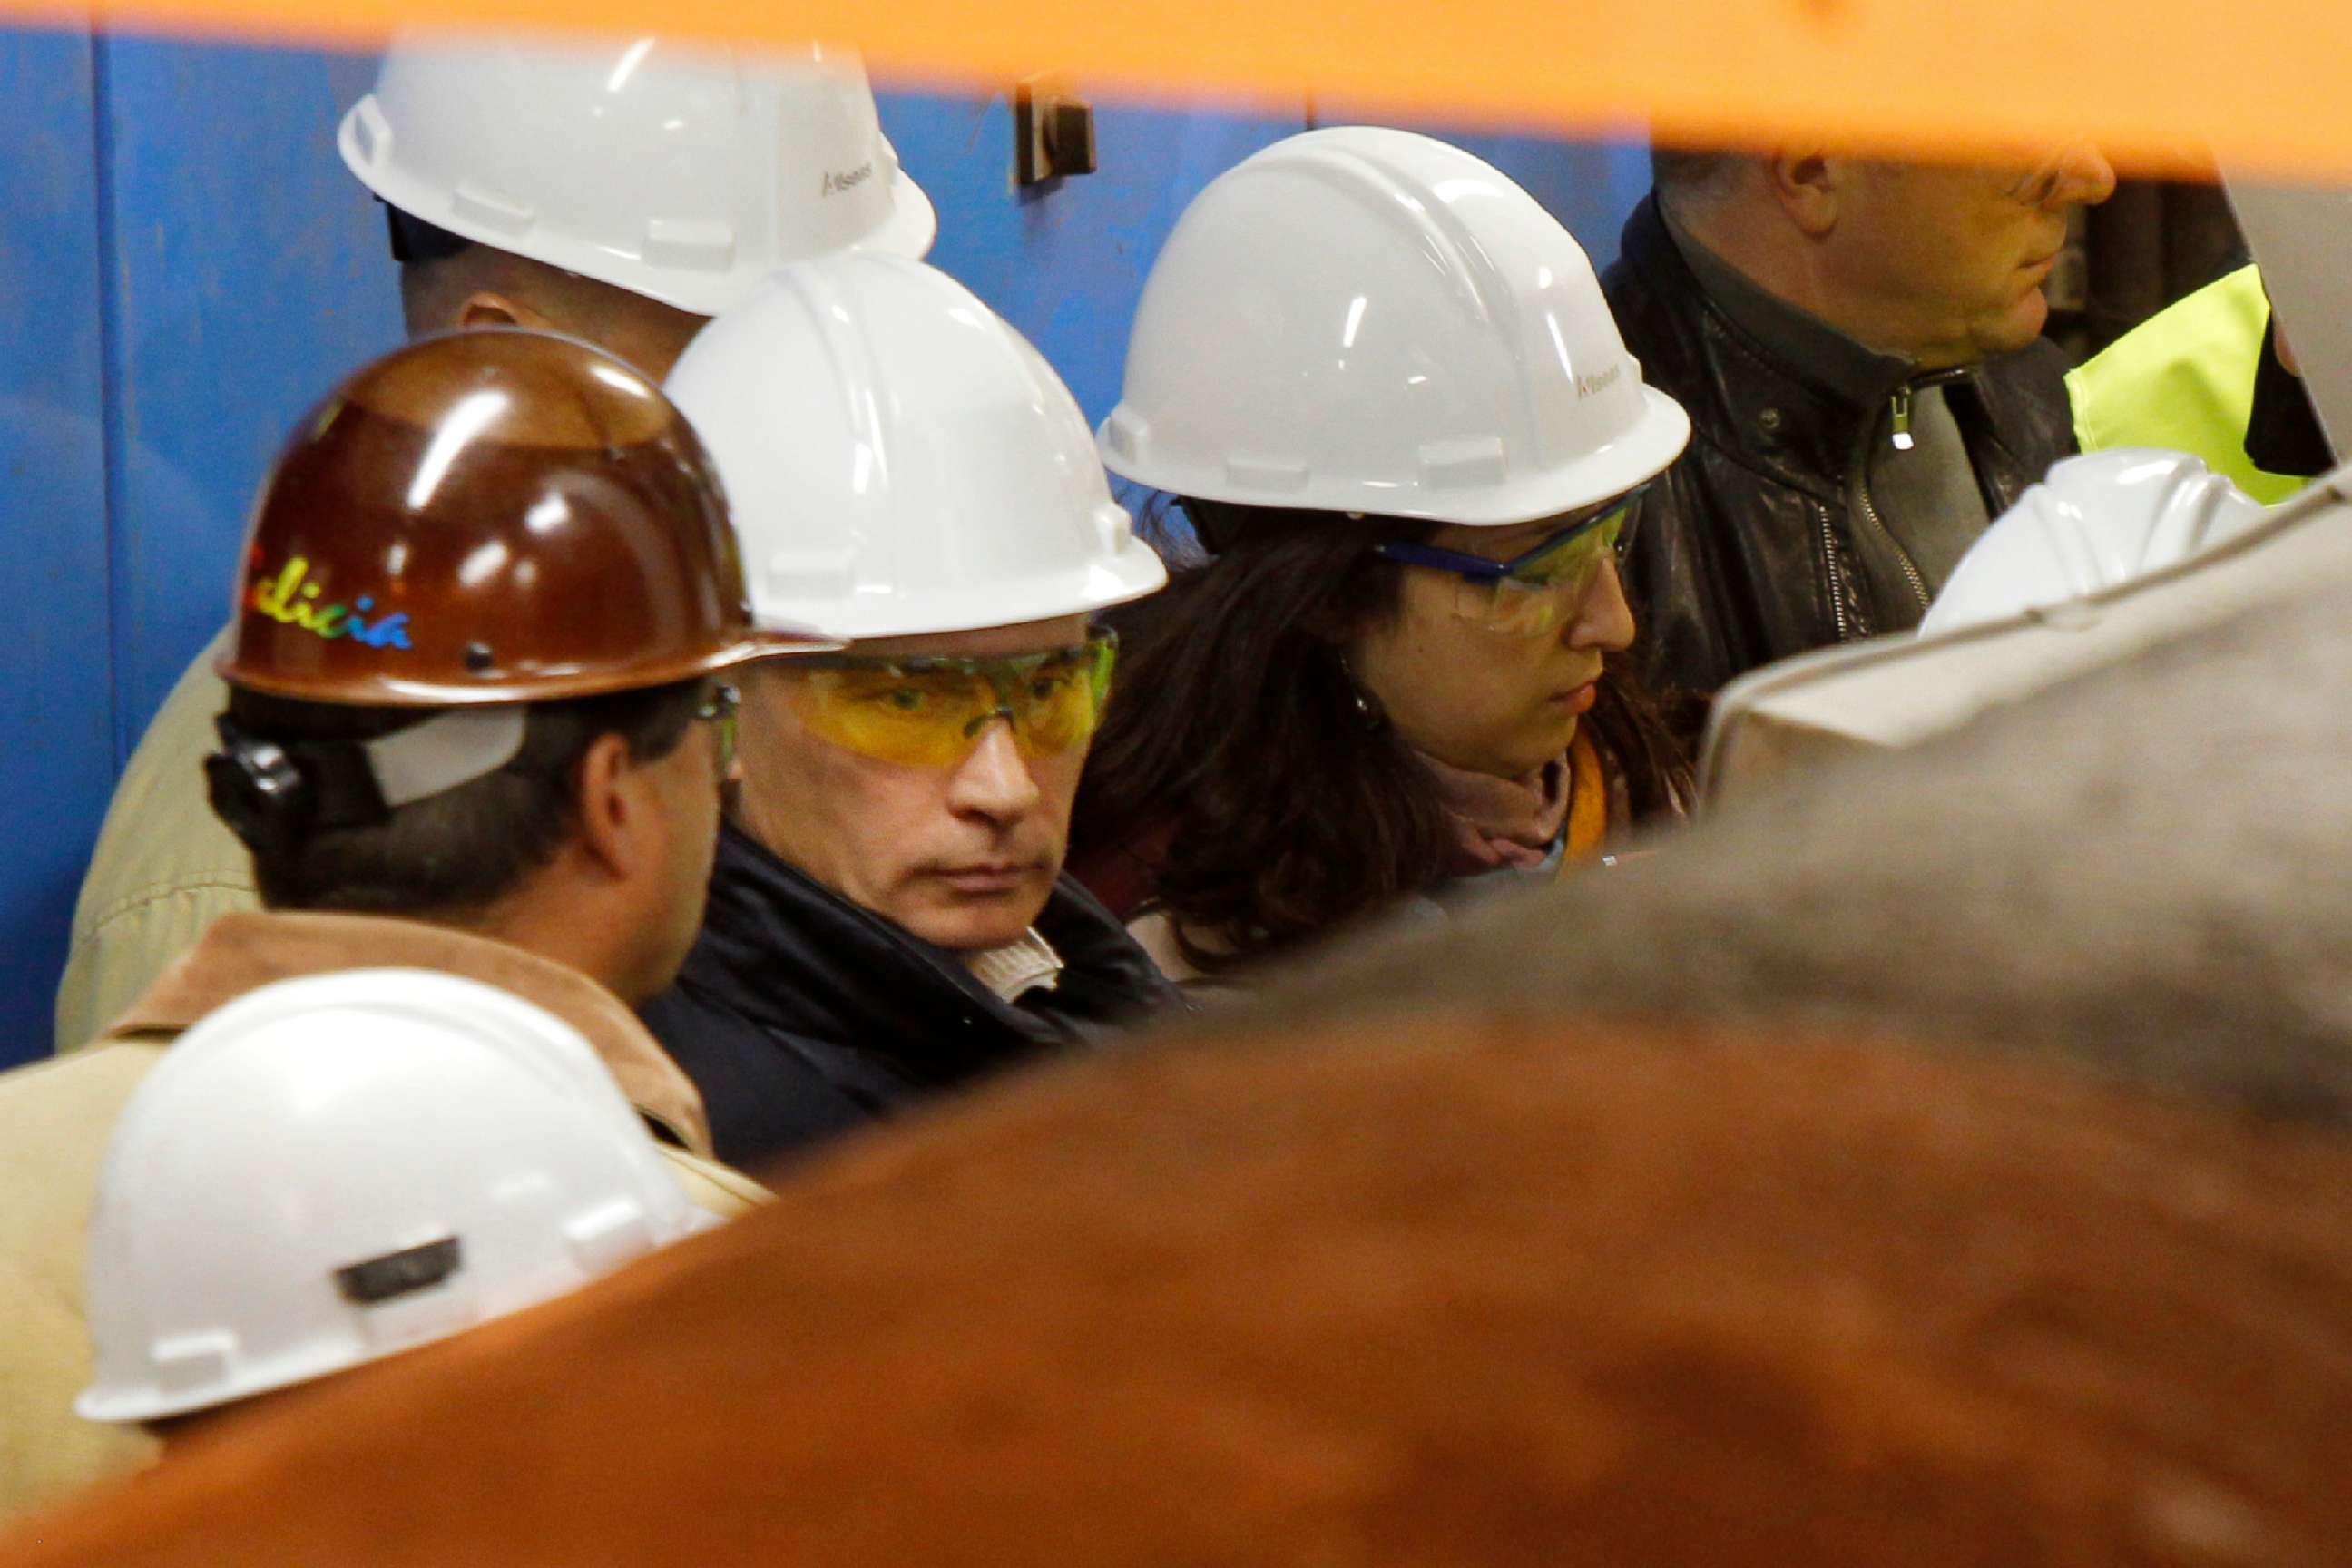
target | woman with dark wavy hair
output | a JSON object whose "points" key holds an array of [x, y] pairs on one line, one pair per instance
{"points": [[1311, 734], [1397, 412]]}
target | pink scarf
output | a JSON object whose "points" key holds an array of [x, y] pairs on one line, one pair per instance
{"points": [[1501, 822]]}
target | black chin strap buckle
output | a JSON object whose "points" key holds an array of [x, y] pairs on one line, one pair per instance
{"points": [[273, 796], [258, 788]]}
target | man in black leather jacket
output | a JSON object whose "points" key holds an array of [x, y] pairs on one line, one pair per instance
{"points": [[1858, 344]]}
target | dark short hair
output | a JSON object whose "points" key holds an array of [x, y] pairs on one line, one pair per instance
{"points": [[465, 849], [415, 240], [1678, 171]]}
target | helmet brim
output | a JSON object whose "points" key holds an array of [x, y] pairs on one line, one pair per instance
{"points": [[1644, 451], [1134, 573], [911, 229], [913, 225]]}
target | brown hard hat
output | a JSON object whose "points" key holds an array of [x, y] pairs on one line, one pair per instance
{"points": [[492, 516]]}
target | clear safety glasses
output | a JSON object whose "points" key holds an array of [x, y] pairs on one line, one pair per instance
{"points": [[1538, 590], [931, 713]]}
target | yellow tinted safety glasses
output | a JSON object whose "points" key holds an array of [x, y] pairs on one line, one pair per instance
{"points": [[931, 713], [1535, 592]]}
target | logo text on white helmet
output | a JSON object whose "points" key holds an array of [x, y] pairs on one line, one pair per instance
{"points": [[836, 184], [1586, 385]]}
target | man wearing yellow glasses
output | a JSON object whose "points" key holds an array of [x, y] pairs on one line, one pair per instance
{"points": [[888, 916]]}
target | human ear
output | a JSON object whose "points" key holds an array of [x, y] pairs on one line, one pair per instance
{"points": [[613, 799], [1808, 183], [485, 308]]}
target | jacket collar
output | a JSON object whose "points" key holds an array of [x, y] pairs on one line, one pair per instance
{"points": [[1018, 967], [785, 953], [244, 951], [1783, 418]]}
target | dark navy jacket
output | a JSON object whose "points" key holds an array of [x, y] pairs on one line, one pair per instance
{"points": [[800, 1015]]}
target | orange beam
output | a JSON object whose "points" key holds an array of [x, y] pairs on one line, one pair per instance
{"points": [[2261, 82]]}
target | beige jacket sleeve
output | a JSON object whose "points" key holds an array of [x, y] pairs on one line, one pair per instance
{"points": [[55, 1120], [164, 868]]}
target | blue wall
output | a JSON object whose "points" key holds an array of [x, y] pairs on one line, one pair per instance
{"points": [[57, 755], [184, 267], [246, 274]]}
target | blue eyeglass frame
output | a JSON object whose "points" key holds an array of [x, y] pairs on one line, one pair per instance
{"points": [[1479, 569]]}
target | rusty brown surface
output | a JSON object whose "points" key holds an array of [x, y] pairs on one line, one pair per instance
{"points": [[1539, 1292]]}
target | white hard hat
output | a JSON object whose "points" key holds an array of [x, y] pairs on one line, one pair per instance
{"points": [[332, 1169], [681, 171], [2094, 521], [898, 461], [1369, 320]]}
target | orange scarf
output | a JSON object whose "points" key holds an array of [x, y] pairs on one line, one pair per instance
{"points": [[1587, 800]]}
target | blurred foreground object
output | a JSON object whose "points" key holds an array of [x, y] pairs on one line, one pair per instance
{"points": [[1441, 1292], [2265, 84]]}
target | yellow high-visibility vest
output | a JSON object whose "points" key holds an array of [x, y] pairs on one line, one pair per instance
{"points": [[2184, 380]]}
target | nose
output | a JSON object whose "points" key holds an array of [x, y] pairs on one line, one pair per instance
{"points": [[1603, 619], [993, 782], [2085, 178]]}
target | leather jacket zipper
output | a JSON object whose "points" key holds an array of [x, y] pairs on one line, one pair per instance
{"points": [[1898, 416], [1836, 577], [1901, 556]]}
